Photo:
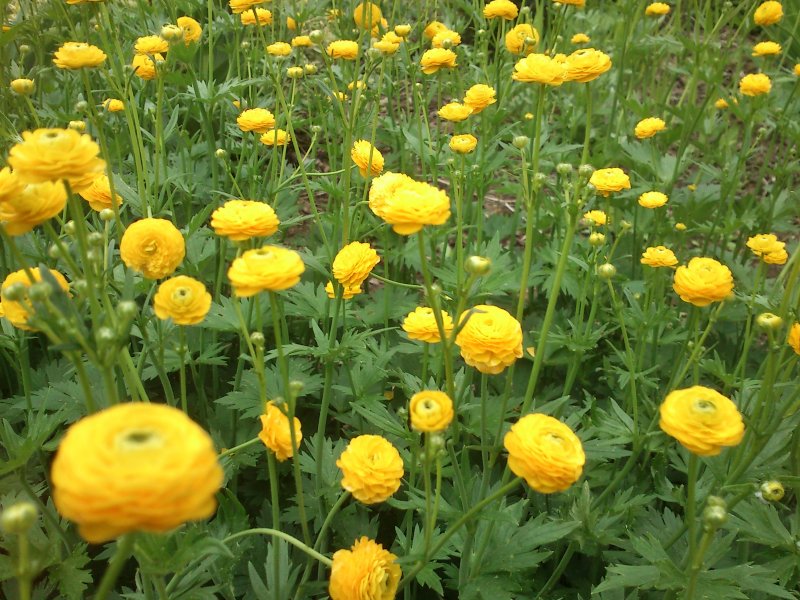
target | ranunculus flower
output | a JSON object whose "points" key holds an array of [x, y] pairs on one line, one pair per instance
{"points": [[183, 299], [491, 339], [365, 572], [371, 468], [430, 411], [703, 281], [266, 269], [152, 247], [276, 434]]}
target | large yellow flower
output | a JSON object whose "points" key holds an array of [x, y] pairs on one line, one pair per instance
{"points": [[447, 38], [153, 247], [78, 55], [241, 220], [10, 184], [545, 452], [702, 420], [98, 195], [491, 339], [276, 434], [657, 9], [259, 120], [608, 181], [135, 467], [768, 48], [32, 206], [437, 58], [279, 49], [455, 111], [191, 29], [372, 469], [647, 128], [586, 64], [264, 17], [367, 15], [755, 84], [540, 68], [703, 281], [794, 337], [344, 49], [768, 13], [463, 144], [504, 9], [365, 572], [55, 155], [432, 28], [368, 158], [420, 324], [767, 247], [522, 39], [239, 6], [18, 311], [384, 187], [270, 268], [479, 96], [353, 264], [409, 206], [182, 299], [430, 411], [659, 256], [275, 137], [653, 199], [151, 44]]}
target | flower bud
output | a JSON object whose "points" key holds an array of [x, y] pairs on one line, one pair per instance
{"points": [[69, 227], [19, 517], [23, 87], [24, 48], [447, 44], [435, 291], [772, 491], [54, 252], [625, 225], [480, 32], [769, 321], [15, 292], [374, 54], [436, 444], [714, 517], [95, 239], [597, 239], [316, 36], [172, 33], [105, 335], [245, 45], [80, 286], [478, 265], [257, 339], [564, 169], [127, 309], [521, 141], [680, 227], [107, 214], [606, 271], [316, 129], [220, 153], [585, 171], [539, 179], [524, 10], [81, 106], [529, 41], [296, 388], [310, 69], [39, 291], [78, 126]]}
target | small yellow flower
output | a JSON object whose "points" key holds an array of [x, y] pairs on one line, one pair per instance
{"points": [[98, 195], [261, 18], [420, 324], [659, 256], [151, 44], [295, 72], [240, 6], [653, 199], [372, 469], [463, 144], [240, 220], [433, 28], [275, 137], [22, 87], [578, 3], [580, 38], [367, 15], [279, 49], [78, 55], [597, 217], [680, 226], [522, 39], [344, 49], [490, 339], [276, 434], [721, 104], [794, 337], [386, 46], [540, 68], [192, 31], [302, 41], [152, 247], [446, 38], [113, 105], [19, 311], [755, 84], [504, 9], [270, 268], [657, 9], [766, 49], [768, 13], [354, 263], [703, 281], [182, 299], [455, 111], [259, 120], [145, 66], [365, 572], [348, 292], [368, 158], [479, 96], [647, 128], [430, 411], [768, 248], [407, 205], [291, 24], [437, 58], [402, 30], [608, 181]]}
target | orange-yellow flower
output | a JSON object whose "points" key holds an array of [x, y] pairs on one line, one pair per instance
{"points": [[183, 299], [365, 572], [276, 434], [420, 324], [240, 220], [490, 339], [270, 268], [703, 281], [371, 468], [430, 411], [152, 247]]}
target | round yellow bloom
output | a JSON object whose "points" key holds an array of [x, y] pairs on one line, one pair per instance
{"points": [[353, 264], [18, 311], [430, 411], [261, 18], [55, 155], [240, 220], [597, 217], [276, 433], [365, 572], [386, 46], [766, 49], [345, 49], [653, 199], [385, 186], [446, 37], [768, 247], [240, 6], [302, 41], [275, 137], [98, 195], [78, 55], [578, 3], [433, 28], [152, 247], [270, 268], [797, 69], [545, 452], [23, 87], [580, 38], [768, 13], [182, 299], [113, 105], [647, 128], [437, 58], [146, 65], [402, 30], [794, 337], [491, 339], [504, 9], [368, 159], [463, 144], [32, 206], [479, 96], [367, 15], [721, 104], [657, 9], [192, 31], [151, 44], [701, 419], [659, 256], [610, 180], [455, 111], [755, 84], [586, 64], [420, 324], [291, 24], [540, 68], [778, 257], [279, 49], [348, 292], [372, 469], [135, 467], [259, 120], [703, 281], [408, 205], [517, 37]]}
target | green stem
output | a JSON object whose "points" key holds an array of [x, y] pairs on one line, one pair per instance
{"points": [[276, 521], [691, 504], [283, 536], [121, 554], [236, 449]]}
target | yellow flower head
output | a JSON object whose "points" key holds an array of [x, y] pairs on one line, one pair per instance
{"points": [[647, 128], [586, 64], [182, 299], [653, 199], [659, 256], [721, 104], [755, 84], [385, 186], [540, 68], [348, 292], [778, 257], [766, 49], [767, 247], [545, 452], [368, 159], [78, 55], [578, 3], [10, 184], [240, 220], [275, 137], [430, 411], [386, 46], [437, 58], [608, 181], [479, 96], [261, 18], [113, 105], [446, 37], [146, 65], [270, 268], [259, 120], [597, 217], [192, 31], [55, 155], [344, 49], [135, 467], [657, 9], [455, 111], [302, 41], [420, 324], [365, 572], [98, 195], [353, 264], [152, 247], [522, 39], [580, 38], [151, 44], [402, 30], [408, 205], [794, 337], [433, 28], [367, 15], [240, 6], [504, 9], [31, 206], [703, 281], [371, 468], [291, 24], [768, 13], [276, 433], [18, 312], [491, 339], [279, 49], [22, 87], [463, 144], [702, 420]]}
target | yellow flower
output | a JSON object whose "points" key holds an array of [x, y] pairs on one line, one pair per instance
{"points": [[610, 180], [586, 64], [778, 257], [578, 3], [10, 184], [291, 24], [653, 199], [479, 96], [264, 17], [345, 49], [182, 299], [270, 268], [794, 337], [259, 120], [348, 292], [597, 217], [353, 264], [504, 9], [540, 68], [402, 30], [386, 47], [32, 206], [545, 452], [276, 433], [430, 411], [275, 137], [333, 13], [420, 324], [463, 144], [721, 104], [371, 468], [98, 195], [755, 84], [766, 49], [680, 226], [580, 38], [701, 419], [367, 15], [385, 186], [113, 105], [135, 467], [365, 572], [647, 128], [768, 247], [515, 39], [657, 9], [23, 87], [797, 69], [455, 111], [408, 205], [451, 37], [659, 256], [437, 58], [295, 72], [191, 29], [152, 247], [491, 339], [146, 65], [279, 49], [54, 155], [703, 281], [18, 311], [240, 6], [240, 220], [151, 44], [78, 55], [368, 159], [302, 41], [433, 28], [768, 13]]}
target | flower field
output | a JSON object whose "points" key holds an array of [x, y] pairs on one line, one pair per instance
{"points": [[423, 300]]}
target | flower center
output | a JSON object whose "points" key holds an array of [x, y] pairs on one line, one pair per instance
{"points": [[135, 440], [554, 438], [150, 247], [704, 406], [182, 294]]}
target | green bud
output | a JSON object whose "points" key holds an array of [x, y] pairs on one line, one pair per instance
{"points": [[478, 265], [220, 153], [15, 292], [107, 214], [80, 286], [19, 517], [39, 291], [316, 129], [374, 54], [245, 45], [69, 227], [257, 339], [521, 141], [772, 491], [714, 517], [585, 171], [769, 321], [316, 36], [606, 271], [81, 106], [310, 69], [597, 239], [296, 388], [95, 239], [127, 309], [105, 335], [564, 169]]}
